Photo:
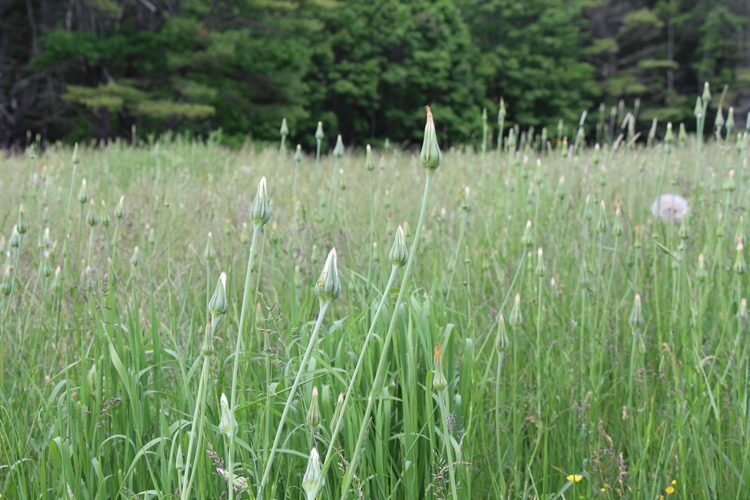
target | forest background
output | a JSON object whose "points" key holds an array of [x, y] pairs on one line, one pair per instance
{"points": [[79, 69]]}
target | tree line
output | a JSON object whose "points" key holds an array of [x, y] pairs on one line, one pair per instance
{"points": [[77, 69]]}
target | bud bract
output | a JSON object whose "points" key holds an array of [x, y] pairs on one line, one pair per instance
{"points": [[227, 424], [91, 218], [219, 304], [104, 215], [209, 254], [636, 316], [312, 477], [501, 336], [298, 155], [120, 208]]}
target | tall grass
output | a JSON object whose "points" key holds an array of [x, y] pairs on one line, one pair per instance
{"points": [[622, 371]]}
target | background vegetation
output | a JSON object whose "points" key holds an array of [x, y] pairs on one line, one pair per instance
{"points": [[77, 69]]}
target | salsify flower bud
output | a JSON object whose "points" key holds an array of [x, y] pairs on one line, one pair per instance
{"points": [[46, 240], [668, 139], [636, 315], [501, 336], [260, 212], [312, 477], [76, 159], [501, 112], [5, 284], [430, 156], [338, 412], [740, 266], [369, 160], [104, 215], [706, 93], [527, 239], [730, 121], [465, 199], [560, 193], [338, 149], [209, 254], [439, 382], [313, 412], [284, 130], [617, 226], [91, 218], [698, 110], [83, 194], [56, 284], [21, 226], [564, 148], [684, 231], [682, 135], [319, 135], [701, 274], [298, 155], [135, 259], [516, 318], [15, 238], [399, 251], [120, 208], [596, 156], [601, 225], [227, 424], [588, 214], [540, 268], [719, 121], [46, 264], [328, 286], [729, 184], [219, 304]]}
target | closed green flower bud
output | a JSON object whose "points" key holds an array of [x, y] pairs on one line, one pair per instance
{"points": [[601, 225], [730, 121], [740, 233], [328, 286], [719, 121], [540, 268], [740, 266], [595, 158], [527, 239], [636, 316], [465, 199], [284, 130], [338, 413], [313, 477], [5, 284], [91, 217], [501, 336], [706, 93], [439, 382], [399, 251], [15, 238], [46, 265], [120, 208], [565, 149], [682, 135], [219, 304], [544, 138], [21, 224], [684, 231], [701, 274], [369, 160], [501, 113], [76, 158], [560, 192], [313, 412], [46, 240], [617, 226], [698, 110], [430, 156], [56, 284], [729, 184], [260, 212], [227, 423], [338, 149], [83, 194], [669, 136], [179, 460], [135, 259], [104, 215], [560, 128], [298, 155], [588, 214], [319, 135], [209, 254], [516, 318]]}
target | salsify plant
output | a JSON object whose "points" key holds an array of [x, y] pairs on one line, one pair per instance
{"points": [[574, 324]]}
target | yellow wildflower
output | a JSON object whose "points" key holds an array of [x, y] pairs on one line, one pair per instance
{"points": [[669, 490], [674, 481], [574, 478]]}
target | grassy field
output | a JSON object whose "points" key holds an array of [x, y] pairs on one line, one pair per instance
{"points": [[620, 369]]}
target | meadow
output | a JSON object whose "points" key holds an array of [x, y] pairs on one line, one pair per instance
{"points": [[510, 323]]}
